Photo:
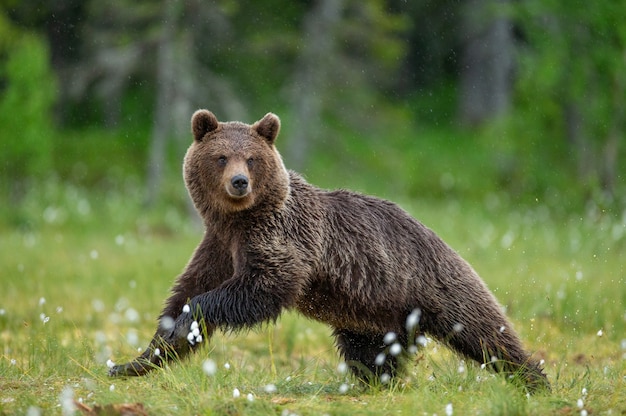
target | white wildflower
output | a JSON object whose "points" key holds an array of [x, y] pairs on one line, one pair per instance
{"points": [[389, 338], [167, 323], [413, 319], [157, 352], [449, 410], [458, 327], [384, 378], [395, 349], [421, 340], [580, 403], [600, 333], [209, 367], [67, 401], [186, 309], [250, 397], [227, 366], [110, 363], [236, 393], [342, 367], [270, 388], [343, 389], [380, 359]]}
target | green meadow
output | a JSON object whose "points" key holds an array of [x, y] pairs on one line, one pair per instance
{"points": [[85, 281]]}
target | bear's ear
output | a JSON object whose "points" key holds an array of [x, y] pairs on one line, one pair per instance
{"points": [[202, 122], [268, 127]]}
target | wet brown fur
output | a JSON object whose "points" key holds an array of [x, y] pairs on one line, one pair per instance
{"points": [[355, 262]]}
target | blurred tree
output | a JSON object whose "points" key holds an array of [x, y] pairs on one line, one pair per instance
{"points": [[163, 44], [572, 83], [486, 70], [27, 94], [348, 55]]}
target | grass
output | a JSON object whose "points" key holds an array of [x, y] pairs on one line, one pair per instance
{"points": [[84, 285]]}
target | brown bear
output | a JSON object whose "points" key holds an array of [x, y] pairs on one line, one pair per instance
{"points": [[378, 277]]}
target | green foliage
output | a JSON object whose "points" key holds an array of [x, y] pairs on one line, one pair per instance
{"points": [[27, 95], [569, 104]]}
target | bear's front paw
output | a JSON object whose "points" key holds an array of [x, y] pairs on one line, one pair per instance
{"points": [[135, 368]]}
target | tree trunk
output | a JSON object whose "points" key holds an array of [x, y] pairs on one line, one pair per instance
{"points": [[311, 78], [486, 63], [162, 121]]}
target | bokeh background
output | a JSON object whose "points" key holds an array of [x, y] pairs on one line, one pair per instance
{"points": [[478, 100]]}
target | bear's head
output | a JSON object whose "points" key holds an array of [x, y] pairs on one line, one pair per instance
{"points": [[232, 166]]}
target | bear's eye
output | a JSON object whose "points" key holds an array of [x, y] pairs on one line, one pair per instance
{"points": [[250, 162], [221, 160]]}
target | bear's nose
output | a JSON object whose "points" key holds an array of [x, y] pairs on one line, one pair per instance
{"points": [[239, 182]]}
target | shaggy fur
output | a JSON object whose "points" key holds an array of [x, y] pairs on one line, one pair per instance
{"points": [[360, 264]]}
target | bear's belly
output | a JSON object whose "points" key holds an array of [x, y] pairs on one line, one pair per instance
{"points": [[346, 311]]}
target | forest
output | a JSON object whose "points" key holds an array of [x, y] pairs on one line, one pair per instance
{"points": [[500, 124], [465, 98]]}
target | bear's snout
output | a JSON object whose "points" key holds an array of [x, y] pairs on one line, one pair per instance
{"points": [[239, 185]]}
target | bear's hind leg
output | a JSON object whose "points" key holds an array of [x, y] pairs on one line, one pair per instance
{"points": [[367, 355]]}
